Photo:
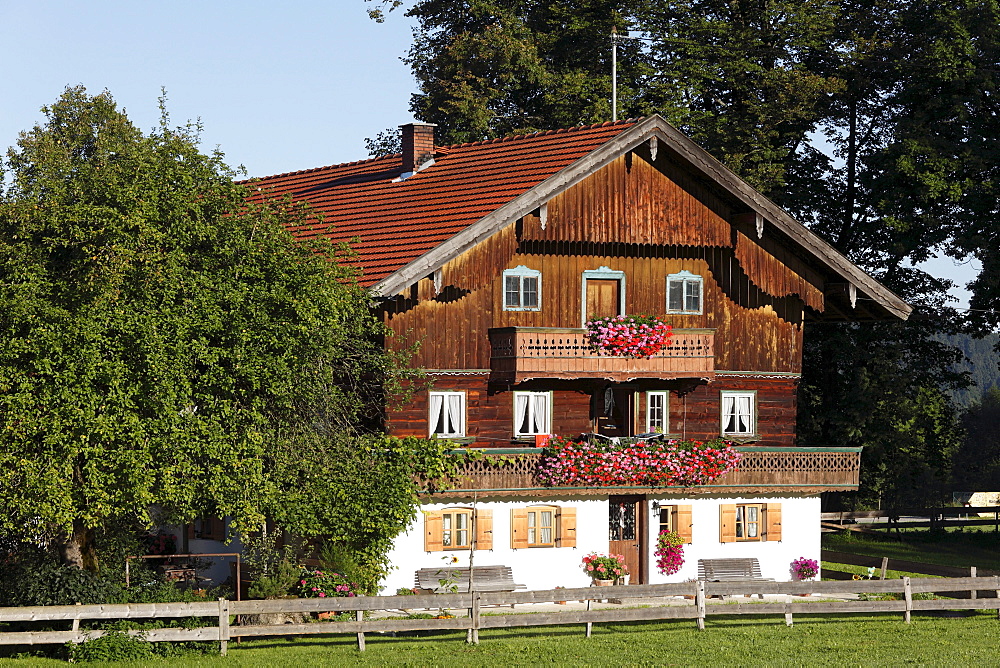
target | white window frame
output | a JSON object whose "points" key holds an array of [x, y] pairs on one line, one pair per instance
{"points": [[521, 272], [665, 407], [686, 278], [446, 401], [536, 413], [738, 403]]}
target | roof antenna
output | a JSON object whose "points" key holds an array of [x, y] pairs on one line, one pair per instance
{"points": [[614, 73]]}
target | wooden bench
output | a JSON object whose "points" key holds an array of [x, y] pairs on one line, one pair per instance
{"points": [[731, 570], [447, 579]]}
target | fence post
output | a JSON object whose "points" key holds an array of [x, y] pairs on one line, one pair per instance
{"points": [[885, 567], [788, 609], [359, 616], [474, 614], [996, 583], [76, 622], [974, 593], [223, 626], [590, 625], [699, 601], [908, 596]]}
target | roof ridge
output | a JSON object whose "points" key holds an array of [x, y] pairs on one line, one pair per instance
{"points": [[539, 133], [352, 163]]}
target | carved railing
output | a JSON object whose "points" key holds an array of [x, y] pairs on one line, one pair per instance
{"points": [[759, 470], [523, 353]]}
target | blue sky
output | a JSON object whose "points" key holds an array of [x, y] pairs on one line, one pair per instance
{"points": [[278, 88]]}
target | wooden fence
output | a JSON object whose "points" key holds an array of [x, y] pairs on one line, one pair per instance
{"points": [[933, 518], [472, 603]]}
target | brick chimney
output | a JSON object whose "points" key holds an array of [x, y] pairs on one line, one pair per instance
{"points": [[418, 145]]}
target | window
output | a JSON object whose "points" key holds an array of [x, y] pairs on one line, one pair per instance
{"points": [[522, 288], [458, 529], [656, 412], [207, 528], [677, 518], [739, 413], [542, 526], [531, 413], [455, 526], [447, 414], [684, 293], [750, 522]]}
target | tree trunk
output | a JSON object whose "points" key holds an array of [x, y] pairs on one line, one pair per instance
{"points": [[77, 549]]}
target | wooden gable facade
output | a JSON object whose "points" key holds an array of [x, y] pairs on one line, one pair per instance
{"points": [[490, 256]]}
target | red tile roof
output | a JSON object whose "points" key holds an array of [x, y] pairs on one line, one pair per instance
{"points": [[395, 223]]}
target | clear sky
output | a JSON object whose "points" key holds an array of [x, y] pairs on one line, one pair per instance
{"points": [[279, 87]]}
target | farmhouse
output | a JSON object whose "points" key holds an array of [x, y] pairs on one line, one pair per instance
{"points": [[493, 255]]}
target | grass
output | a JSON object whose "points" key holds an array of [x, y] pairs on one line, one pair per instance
{"points": [[953, 548], [882, 640]]}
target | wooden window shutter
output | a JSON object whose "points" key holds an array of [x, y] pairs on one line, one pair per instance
{"points": [[217, 528], [567, 527], [519, 528], [772, 515], [682, 522], [727, 523], [484, 529], [432, 531], [190, 530]]}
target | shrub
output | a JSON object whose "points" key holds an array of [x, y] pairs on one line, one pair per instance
{"points": [[112, 646]]}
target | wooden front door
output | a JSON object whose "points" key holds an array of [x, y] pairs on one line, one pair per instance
{"points": [[626, 533], [602, 298]]}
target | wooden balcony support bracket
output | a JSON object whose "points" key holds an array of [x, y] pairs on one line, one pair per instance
{"points": [[526, 353]]}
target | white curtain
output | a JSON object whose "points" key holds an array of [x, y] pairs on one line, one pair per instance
{"points": [[743, 413], [521, 413], [454, 414], [437, 402], [540, 413]]}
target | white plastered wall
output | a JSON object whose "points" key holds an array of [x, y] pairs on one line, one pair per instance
{"points": [[800, 536], [548, 567]]}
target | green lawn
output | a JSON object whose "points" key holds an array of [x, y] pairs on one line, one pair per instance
{"points": [[953, 548], [882, 640]]}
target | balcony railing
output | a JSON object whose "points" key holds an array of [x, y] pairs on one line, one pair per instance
{"points": [[761, 470], [524, 353]]}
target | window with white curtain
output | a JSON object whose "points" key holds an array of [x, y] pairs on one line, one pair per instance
{"points": [[684, 293], [739, 413], [447, 415], [531, 413], [656, 412], [521, 289]]}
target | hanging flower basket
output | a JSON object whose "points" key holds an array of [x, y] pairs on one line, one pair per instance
{"points": [[628, 335], [669, 552], [671, 463]]}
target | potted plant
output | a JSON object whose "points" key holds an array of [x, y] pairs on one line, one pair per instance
{"points": [[804, 569], [669, 552], [604, 569]]}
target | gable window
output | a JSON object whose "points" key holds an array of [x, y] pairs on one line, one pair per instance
{"points": [[531, 413], [447, 414], [750, 522], [739, 413], [522, 289], [457, 528], [656, 412], [684, 293], [543, 526]]}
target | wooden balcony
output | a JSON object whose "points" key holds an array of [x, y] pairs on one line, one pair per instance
{"points": [[525, 353], [762, 470]]}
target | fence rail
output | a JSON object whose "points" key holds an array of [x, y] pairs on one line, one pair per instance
{"points": [[474, 621]]}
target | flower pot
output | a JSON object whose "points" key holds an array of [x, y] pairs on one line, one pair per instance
{"points": [[623, 579], [325, 615], [601, 583]]}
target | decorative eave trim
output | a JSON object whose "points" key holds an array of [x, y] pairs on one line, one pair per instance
{"points": [[651, 127], [457, 372], [560, 492], [757, 374]]}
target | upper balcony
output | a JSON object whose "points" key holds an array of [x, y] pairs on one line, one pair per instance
{"points": [[524, 353]]}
